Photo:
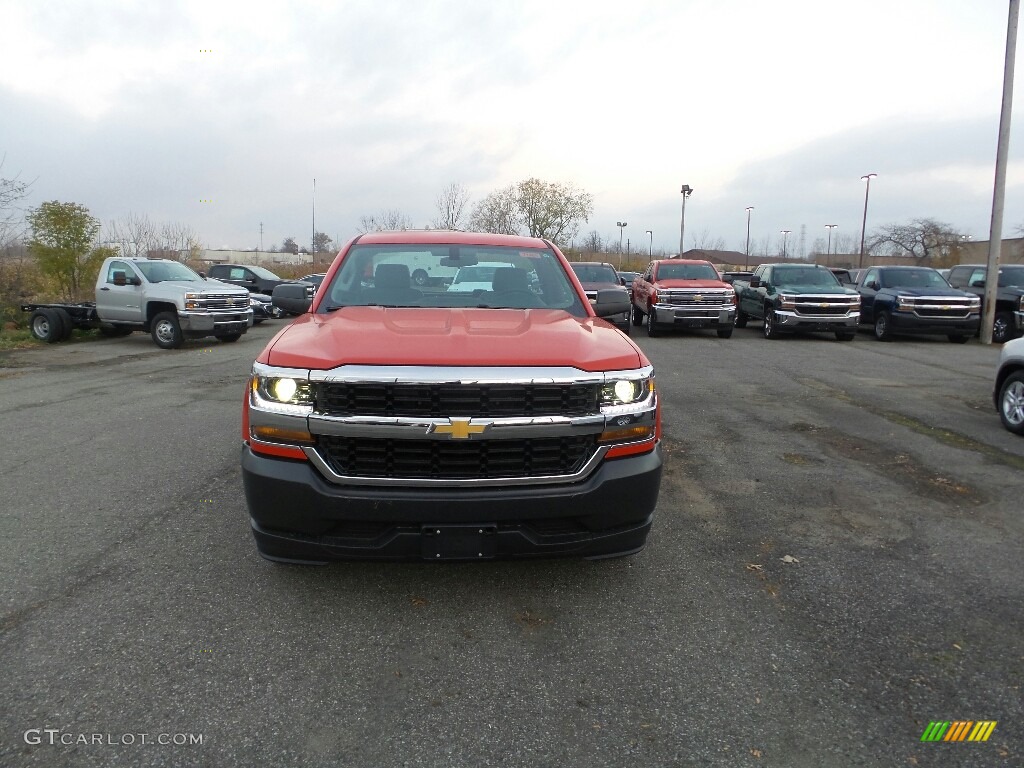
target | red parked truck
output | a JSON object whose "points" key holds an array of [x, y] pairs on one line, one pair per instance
{"points": [[683, 293], [402, 421]]}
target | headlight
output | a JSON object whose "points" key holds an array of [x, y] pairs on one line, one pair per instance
{"points": [[254, 303], [621, 392], [787, 302], [1021, 304], [287, 390], [905, 305], [975, 301]]}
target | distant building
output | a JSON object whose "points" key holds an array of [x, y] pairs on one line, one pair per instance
{"points": [[260, 258]]}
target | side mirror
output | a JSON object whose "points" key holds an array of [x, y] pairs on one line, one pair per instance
{"points": [[202, 275], [874, 285], [622, 282], [755, 282], [610, 301], [978, 284], [292, 298], [120, 279]]}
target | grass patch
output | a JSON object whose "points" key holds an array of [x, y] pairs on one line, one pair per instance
{"points": [[17, 339]]}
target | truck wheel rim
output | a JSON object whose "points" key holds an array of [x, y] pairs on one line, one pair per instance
{"points": [[880, 327], [1013, 403], [41, 326], [165, 331], [999, 329]]}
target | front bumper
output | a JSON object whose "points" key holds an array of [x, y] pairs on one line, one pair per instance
{"points": [[911, 322], [694, 317], [296, 515], [193, 322], [793, 321]]}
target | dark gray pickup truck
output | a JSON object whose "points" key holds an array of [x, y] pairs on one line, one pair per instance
{"points": [[1009, 316]]}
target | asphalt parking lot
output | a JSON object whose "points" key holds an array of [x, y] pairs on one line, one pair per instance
{"points": [[836, 562]]}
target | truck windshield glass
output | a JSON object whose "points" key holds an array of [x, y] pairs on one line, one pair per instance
{"points": [[687, 272], [1012, 277], [266, 274], [799, 277], [595, 273], [912, 278], [413, 275], [167, 271]]}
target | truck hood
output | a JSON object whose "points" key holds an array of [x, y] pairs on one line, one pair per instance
{"points": [[701, 284], [205, 287], [827, 290], [451, 337], [953, 293]]}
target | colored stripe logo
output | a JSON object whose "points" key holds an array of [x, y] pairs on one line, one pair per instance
{"points": [[958, 730]]}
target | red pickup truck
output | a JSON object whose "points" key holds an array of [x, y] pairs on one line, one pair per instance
{"points": [[398, 421], [683, 293]]}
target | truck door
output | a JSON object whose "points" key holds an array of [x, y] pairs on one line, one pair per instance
{"points": [[867, 295], [120, 302]]}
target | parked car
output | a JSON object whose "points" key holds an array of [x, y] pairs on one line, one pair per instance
{"points": [[255, 279], [1008, 392], [918, 300], [263, 308], [797, 298], [1009, 315], [596, 276], [845, 276], [315, 279], [729, 277], [683, 293], [628, 278], [397, 423]]}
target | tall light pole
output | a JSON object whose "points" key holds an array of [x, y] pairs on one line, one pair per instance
{"points": [[746, 252], [864, 223], [650, 250], [686, 191], [621, 225], [830, 227], [785, 234]]}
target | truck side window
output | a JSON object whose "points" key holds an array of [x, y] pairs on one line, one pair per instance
{"points": [[120, 266], [976, 275], [237, 273], [871, 275]]}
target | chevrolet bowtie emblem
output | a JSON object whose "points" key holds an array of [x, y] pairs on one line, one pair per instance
{"points": [[698, 297], [459, 429]]}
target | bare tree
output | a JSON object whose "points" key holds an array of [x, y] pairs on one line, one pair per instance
{"points": [[451, 207], [592, 242], [497, 213], [921, 239], [322, 242], [133, 234], [551, 210], [705, 242], [12, 192], [384, 221], [289, 245]]}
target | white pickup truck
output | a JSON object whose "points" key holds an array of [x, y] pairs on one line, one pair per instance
{"points": [[162, 297]]}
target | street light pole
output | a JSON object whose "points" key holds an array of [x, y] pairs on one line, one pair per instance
{"points": [[864, 223], [830, 227], [686, 191], [621, 225], [650, 251], [746, 253], [785, 234]]}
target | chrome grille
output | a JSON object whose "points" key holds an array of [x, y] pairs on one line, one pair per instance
{"points": [[224, 301], [826, 305], [689, 298]]}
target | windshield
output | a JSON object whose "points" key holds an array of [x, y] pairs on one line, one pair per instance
{"points": [[804, 276], [266, 274], [687, 272], [412, 275], [166, 271], [595, 273], [912, 278], [1011, 276]]}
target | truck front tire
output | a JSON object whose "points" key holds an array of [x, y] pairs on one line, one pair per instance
{"points": [[740, 319], [770, 329], [638, 317], [652, 323], [883, 326], [1002, 328], [166, 331]]}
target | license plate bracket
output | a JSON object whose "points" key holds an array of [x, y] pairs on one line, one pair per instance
{"points": [[459, 542]]}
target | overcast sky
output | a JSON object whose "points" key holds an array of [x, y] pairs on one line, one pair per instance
{"points": [[153, 107]]}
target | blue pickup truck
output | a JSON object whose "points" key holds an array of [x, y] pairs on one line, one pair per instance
{"points": [[916, 300]]}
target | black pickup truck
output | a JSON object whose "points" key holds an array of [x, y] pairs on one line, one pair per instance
{"points": [[255, 279], [916, 300], [1009, 317]]}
